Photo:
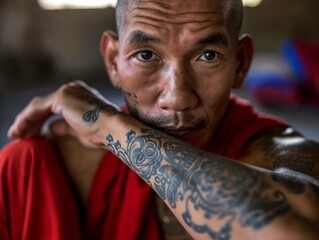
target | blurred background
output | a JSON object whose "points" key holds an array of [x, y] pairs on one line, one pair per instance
{"points": [[44, 43]]}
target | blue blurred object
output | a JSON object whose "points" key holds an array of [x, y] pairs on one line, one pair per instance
{"points": [[291, 55], [290, 80], [272, 83]]}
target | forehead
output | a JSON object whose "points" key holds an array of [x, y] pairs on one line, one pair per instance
{"points": [[177, 8], [172, 18]]}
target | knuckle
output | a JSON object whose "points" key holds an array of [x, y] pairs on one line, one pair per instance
{"points": [[35, 100], [33, 104], [64, 89], [18, 116]]}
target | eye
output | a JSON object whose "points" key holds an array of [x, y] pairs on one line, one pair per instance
{"points": [[145, 56], [209, 56]]}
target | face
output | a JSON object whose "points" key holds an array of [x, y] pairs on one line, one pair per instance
{"points": [[176, 63]]}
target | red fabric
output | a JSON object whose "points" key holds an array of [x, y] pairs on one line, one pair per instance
{"points": [[37, 201], [240, 124], [121, 204], [35, 198], [308, 53]]}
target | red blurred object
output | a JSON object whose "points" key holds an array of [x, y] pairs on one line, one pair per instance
{"points": [[303, 57]]}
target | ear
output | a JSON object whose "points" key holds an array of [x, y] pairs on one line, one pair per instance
{"points": [[109, 51], [244, 57]]}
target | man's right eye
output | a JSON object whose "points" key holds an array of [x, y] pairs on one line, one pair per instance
{"points": [[145, 56]]}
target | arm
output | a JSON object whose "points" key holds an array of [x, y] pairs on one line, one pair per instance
{"points": [[213, 197]]}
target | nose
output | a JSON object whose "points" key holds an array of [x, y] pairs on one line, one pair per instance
{"points": [[178, 92]]}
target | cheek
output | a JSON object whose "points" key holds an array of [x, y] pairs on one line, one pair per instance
{"points": [[214, 89], [214, 85], [139, 87]]}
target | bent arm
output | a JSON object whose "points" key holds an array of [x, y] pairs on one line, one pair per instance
{"points": [[214, 197]]}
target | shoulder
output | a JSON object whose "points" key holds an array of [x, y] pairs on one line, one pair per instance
{"points": [[284, 148]]}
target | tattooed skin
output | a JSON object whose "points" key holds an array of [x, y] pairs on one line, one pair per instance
{"points": [[131, 103], [216, 189], [91, 115], [297, 154]]}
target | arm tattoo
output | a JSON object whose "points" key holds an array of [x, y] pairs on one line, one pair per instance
{"points": [[217, 189]]}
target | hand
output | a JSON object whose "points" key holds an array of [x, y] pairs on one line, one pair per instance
{"points": [[71, 101], [56, 128]]}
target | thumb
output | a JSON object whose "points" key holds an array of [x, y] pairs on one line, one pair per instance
{"points": [[57, 126], [61, 128]]}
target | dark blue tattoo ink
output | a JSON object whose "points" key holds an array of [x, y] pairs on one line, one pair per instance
{"points": [[91, 115], [215, 188]]}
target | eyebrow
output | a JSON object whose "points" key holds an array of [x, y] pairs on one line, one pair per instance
{"points": [[214, 39], [139, 37]]}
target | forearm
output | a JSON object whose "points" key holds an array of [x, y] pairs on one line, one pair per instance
{"points": [[209, 194]]}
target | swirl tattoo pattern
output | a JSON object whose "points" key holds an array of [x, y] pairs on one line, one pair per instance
{"points": [[215, 189]]}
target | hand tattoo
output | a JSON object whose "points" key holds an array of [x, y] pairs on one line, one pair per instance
{"points": [[91, 115]]}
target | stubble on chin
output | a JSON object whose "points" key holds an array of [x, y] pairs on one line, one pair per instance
{"points": [[161, 122]]}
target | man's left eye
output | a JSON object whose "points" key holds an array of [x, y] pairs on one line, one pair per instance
{"points": [[209, 56]]}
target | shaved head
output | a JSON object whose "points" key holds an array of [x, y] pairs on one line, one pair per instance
{"points": [[120, 10], [176, 62], [234, 7]]}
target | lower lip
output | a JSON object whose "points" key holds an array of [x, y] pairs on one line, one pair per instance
{"points": [[177, 133]]}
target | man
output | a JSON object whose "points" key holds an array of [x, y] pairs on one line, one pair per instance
{"points": [[223, 170]]}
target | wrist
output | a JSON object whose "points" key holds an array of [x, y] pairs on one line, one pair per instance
{"points": [[111, 122]]}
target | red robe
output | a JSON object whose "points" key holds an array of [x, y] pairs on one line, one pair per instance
{"points": [[38, 200]]}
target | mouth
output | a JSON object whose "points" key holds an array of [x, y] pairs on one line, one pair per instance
{"points": [[179, 133]]}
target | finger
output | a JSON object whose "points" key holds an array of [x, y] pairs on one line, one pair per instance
{"points": [[62, 128], [29, 121], [23, 129]]}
